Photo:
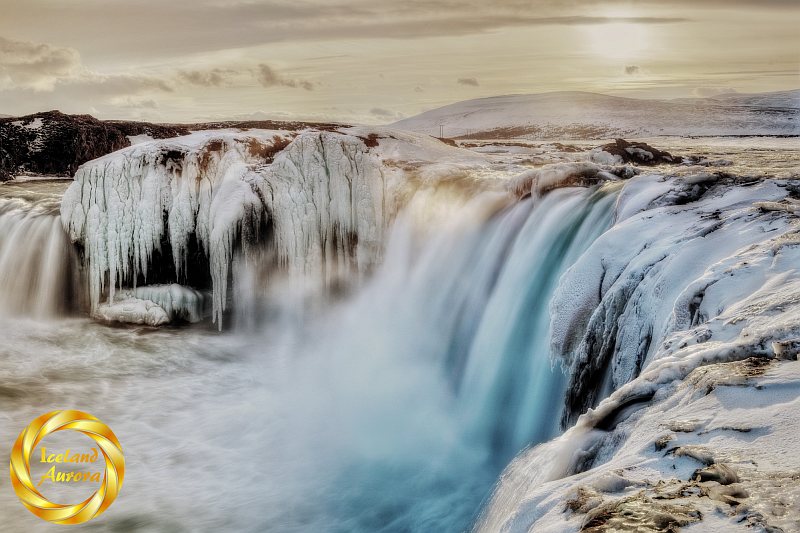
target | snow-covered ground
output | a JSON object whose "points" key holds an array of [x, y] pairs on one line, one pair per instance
{"points": [[579, 115], [681, 321]]}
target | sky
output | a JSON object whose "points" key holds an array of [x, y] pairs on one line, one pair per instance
{"points": [[376, 61]]}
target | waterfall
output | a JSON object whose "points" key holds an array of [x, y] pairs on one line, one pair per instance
{"points": [[427, 380], [38, 267], [511, 392]]}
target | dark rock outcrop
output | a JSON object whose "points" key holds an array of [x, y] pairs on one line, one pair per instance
{"points": [[639, 153], [56, 144]]}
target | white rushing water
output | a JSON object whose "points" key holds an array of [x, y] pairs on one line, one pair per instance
{"points": [[38, 268]]}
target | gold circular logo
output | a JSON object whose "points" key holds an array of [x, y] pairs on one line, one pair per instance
{"points": [[21, 468]]}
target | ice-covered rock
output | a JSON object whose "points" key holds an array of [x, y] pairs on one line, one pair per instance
{"points": [[674, 276], [155, 305], [321, 199], [124, 207], [129, 310]]}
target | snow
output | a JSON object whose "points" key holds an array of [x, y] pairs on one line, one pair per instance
{"points": [[659, 317], [601, 157], [579, 115], [737, 417], [554, 175], [34, 124], [139, 139]]}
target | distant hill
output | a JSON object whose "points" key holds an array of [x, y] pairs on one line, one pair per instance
{"points": [[581, 115], [55, 144]]}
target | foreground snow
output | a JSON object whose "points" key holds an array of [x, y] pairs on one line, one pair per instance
{"points": [[676, 316]]}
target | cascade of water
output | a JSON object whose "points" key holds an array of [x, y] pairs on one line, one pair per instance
{"points": [[427, 380], [37, 263], [510, 392]]}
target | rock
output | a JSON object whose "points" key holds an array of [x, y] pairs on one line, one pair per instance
{"points": [[639, 513], [662, 442], [729, 494], [720, 473], [700, 454], [683, 426], [787, 349], [622, 151], [55, 144]]}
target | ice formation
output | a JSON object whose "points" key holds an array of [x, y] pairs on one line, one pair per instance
{"points": [[155, 305], [123, 206], [321, 198], [696, 271], [130, 310], [177, 301]]}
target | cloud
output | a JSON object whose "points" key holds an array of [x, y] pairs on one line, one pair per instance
{"points": [[706, 92], [205, 78], [35, 66], [45, 68], [632, 69], [207, 25], [381, 112], [135, 103], [267, 77], [468, 81]]}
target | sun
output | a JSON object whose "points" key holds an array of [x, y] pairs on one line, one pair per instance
{"points": [[616, 40]]}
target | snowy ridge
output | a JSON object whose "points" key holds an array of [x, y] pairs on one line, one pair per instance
{"points": [[697, 270], [580, 115], [323, 198]]}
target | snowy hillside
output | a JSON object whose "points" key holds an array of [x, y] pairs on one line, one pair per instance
{"points": [[580, 115]]}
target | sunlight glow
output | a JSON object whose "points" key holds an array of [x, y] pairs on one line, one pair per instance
{"points": [[619, 40]]}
